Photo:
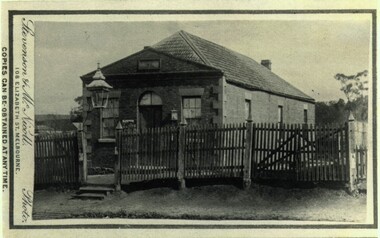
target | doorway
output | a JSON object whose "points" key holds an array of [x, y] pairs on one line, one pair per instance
{"points": [[150, 110], [150, 116]]}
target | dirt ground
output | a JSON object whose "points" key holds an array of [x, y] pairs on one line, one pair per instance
{"points": [[217, 202]]}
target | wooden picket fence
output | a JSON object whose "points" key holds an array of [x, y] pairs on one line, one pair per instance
{"points": [[149, 154], [300, 152], [288, 152], [209, 151], [56, 159], [213, 151]]}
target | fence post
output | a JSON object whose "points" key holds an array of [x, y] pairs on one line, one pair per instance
{"points": [[181, 156], [351, 153], [118, 133], [248, 155], [82, 144]]}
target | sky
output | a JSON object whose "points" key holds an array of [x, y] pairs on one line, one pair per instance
{"points": [[306, 53]]}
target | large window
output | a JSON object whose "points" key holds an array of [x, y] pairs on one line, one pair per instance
{"points": [[280, 117], [110, 115], [191, 109], [247, 109]]}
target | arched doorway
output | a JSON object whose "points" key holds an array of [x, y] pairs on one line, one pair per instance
{"points": [[150, 110]]}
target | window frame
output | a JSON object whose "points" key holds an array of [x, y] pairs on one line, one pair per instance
{"points": [[115, 116], [194, 108], [247, 116], [305, 116], [139, 69], [280, 114]]}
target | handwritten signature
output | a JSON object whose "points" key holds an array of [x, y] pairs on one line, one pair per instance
{"points": [[27, 100], [27, 202]]}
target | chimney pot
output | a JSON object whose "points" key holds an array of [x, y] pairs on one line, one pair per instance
{"points": [[267, 63]]}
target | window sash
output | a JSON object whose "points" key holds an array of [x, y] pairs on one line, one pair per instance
{"points": [[191, 107], [109, 125], [305, 116], [280, 118], [247, 109], [110, 115]]}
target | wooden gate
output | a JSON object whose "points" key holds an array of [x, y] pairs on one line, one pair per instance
{"points": [[148, 154], [300, 152], [56, 159]]}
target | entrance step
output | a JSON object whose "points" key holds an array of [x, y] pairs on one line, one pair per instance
{"points": [[89, 196], [95, 189], [93, 192]]}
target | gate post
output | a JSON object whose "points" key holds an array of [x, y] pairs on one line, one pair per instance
{"points": [[181, 156], [351, 153], [82, 144], [247, 162], [118, 134]]}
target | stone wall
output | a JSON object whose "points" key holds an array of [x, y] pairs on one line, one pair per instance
{"points": [[264, 107]]}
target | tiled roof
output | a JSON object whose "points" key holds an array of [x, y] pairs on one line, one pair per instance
{"points": [[236, 67]]}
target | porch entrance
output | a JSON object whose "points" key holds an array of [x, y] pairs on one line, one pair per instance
{"points": [[150, 116], [150, 110]]}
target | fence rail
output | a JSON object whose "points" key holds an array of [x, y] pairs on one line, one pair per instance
{"points": [[56, 159]]}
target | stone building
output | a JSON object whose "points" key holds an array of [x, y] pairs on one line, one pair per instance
{"points": [[185, 77]]}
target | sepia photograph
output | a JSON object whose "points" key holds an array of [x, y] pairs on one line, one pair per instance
{"points": [[239, 121], [220, 120]]}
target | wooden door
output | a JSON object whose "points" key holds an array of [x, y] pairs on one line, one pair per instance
{"points": [[150, 116]]}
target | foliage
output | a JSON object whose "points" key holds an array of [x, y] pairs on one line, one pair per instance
{"points": [[353, 86], [330, 112], [54, 123], [76, 112], [338, 111], [355, 89]]}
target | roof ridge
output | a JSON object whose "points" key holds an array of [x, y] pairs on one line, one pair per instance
{"points": [[184, 35], [179, 58]]}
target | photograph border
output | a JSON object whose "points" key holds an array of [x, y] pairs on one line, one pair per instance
{"points": [[373, 12]]}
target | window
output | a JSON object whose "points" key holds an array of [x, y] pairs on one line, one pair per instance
{"points": [[149, 65], [280, 115], [191, 109], [110, 115], [305, 116], [247, 109], [150, 99]]}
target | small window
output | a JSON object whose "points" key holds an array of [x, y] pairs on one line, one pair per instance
{"points": [[149, 65], [191, 109], [305, 116], [110, 115], [280, 115], [247, 109]]}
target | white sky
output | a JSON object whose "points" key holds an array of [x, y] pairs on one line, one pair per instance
{"points": [[305, 53]]}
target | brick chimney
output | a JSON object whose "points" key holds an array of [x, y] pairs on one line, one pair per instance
{"points": [[267, 63]]}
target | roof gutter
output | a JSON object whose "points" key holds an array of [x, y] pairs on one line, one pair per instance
{"points": [[250, 87]]}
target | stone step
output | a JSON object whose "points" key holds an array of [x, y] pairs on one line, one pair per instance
{"points": [[99, 196], [96, 189]]}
